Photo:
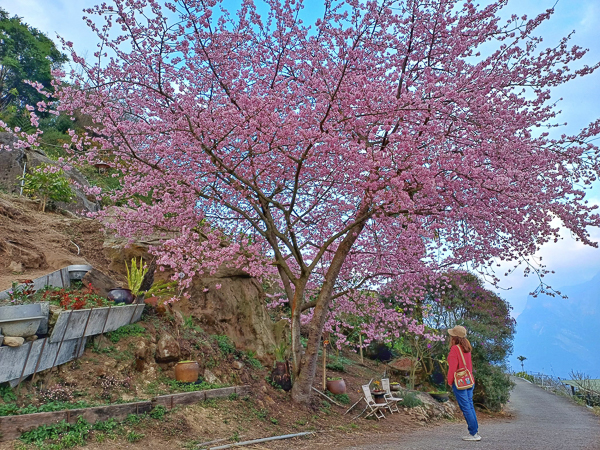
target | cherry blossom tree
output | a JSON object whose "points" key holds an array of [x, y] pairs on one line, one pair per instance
{"points": [[386, 140]]}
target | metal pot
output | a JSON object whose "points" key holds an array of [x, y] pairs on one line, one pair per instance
{"points": [[20, 320], [78, 271], [120, 295]]}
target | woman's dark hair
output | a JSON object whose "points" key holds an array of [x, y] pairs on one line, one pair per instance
{"points": [[463, 342]]}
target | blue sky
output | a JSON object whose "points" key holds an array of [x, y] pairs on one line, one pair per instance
{"points": [[573, 262]]}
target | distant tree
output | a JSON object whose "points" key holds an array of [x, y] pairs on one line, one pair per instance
{"points": [[25, 54], [522, 358], [461, 299]]}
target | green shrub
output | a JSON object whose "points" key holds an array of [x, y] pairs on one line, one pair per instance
{"points": [[410, 400], [341, 398], [47, 182], [492, 387], [225, 345]]}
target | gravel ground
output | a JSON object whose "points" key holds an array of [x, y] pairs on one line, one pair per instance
{"points": [[540, 420]]}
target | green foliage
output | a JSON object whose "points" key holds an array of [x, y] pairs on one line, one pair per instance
{"points": [[62, 435], [492, 387], [336, 364], [280, 351], [25, 54], [11, 408], [7, 394], [410, 400], [178, 386], [251, 358], [128, 330], [134, 436], [341, 398], [47, 183], [158, 412], [135, 275], [225, 345]]}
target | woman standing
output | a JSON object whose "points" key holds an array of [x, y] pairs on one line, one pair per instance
{"points": [[460, 358]]}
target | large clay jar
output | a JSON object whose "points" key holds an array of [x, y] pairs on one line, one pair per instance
{"points": [[187, 371], [336, 386]]}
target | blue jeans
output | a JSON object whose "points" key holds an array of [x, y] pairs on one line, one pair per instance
{"points": [[465, 402]]}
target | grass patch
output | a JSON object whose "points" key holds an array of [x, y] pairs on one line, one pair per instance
{"points": [[341, 398], [64, 435], [224, 344], [128, 330]]}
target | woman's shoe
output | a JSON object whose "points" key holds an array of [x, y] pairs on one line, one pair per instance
{"points": [[474, 437]]}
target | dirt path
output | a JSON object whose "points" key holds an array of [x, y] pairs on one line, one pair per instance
{"points": [[540, 421]]}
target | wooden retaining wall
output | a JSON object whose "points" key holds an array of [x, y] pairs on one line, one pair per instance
{"points": [[11, 427]]}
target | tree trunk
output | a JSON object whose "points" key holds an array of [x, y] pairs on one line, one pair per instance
{"points": [[308, 364]]}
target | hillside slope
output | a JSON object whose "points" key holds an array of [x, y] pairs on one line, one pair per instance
{"points": [[33, 243]]}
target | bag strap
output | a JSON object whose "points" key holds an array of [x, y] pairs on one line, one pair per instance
{"points": [[462, 356]]}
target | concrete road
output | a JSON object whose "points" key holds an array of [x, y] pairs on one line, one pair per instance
{"points": [[540, 421]]}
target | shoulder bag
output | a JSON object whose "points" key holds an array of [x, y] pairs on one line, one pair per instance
{"points": [[463, 379]]}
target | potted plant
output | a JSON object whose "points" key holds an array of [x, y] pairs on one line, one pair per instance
{"points": [[395, 386], [336, 385], [378, 393], [78, 271], [187, 371], [441, 395], [280, 375]]}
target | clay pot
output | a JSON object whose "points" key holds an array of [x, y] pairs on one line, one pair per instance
{"points": [[187, 371], [281, 376], [120, 295], [336, 386]]}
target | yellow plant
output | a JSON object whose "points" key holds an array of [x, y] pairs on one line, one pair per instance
{"points": [[135, 275]]}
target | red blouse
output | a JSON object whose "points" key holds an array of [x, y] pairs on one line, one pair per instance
{"points": [[455, 362]]}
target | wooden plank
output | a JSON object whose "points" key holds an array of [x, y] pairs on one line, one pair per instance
{"points": [[220, 393], [11, 427], [117, 412], [242, 390]]}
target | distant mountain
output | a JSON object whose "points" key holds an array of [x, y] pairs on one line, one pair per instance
{"points": [[558, 335]]}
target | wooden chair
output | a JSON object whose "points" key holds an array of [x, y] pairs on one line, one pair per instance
{"points": [[372, 408], [389, 397]]}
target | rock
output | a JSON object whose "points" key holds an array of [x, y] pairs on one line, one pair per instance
{"points": [[236, 310], [13, 341], [100, 281], [238, 365], [144, 355], [167, 349], [15, 267], [54, 313], [210, 377], [31, 338]]}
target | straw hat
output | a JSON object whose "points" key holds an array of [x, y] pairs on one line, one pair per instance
{"points": [[458, 331]]}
